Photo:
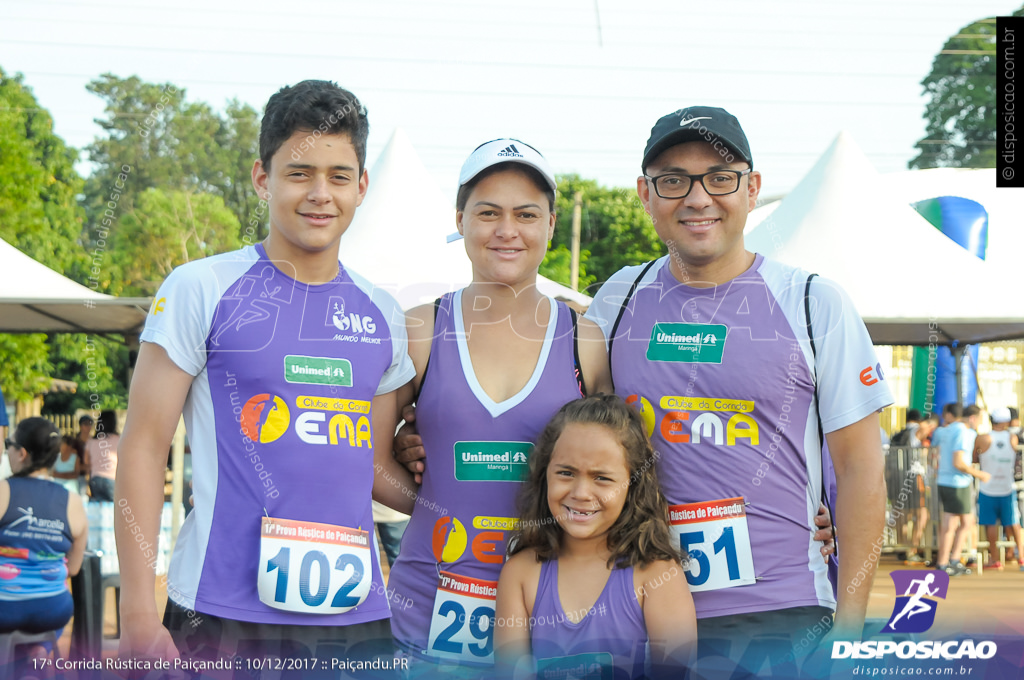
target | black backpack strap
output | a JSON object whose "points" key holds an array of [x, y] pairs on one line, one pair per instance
{"points": [[817, 410], [622, 310], [576, 351], [423, 380]]}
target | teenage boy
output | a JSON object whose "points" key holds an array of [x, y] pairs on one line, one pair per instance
{"points": [[285, 365]]}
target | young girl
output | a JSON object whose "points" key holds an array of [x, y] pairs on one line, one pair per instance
{"points": [[594, 575]]}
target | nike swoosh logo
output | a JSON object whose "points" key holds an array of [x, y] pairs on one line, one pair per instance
{"points": [[687, 122]]}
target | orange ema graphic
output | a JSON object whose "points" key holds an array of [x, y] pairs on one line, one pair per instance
{"points": [[449, 543]]}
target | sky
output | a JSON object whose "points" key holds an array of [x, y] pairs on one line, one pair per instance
{"points": [[581, 80]]}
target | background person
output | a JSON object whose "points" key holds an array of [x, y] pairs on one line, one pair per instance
{"points": [[101, 457], [955, 441], [996, 453], [68, 466], [5, 467], [43, 533]]}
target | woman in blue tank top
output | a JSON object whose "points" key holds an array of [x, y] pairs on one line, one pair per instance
{"points": [[594, 577], [43, 532], [494, 361]]}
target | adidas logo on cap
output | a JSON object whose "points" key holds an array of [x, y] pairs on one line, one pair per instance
{"points": [[510, 151]]}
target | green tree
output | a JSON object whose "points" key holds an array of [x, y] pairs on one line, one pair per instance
{"points": [[98, 365], [165, 229], [239, 138], [960, 114], [155, 139], [39, 213], [24, 365], [40, 216], [615, 231], [557, 266]]}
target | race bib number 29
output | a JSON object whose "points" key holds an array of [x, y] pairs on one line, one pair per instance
{"points": [[715, 536], [313, 568], [462, 625]]}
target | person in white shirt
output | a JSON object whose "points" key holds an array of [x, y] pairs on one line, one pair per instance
{"points": [[997, 498]]}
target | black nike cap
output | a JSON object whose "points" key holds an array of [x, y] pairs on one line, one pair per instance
{"points": [[699, 123]]}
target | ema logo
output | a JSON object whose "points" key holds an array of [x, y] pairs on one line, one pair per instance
{"points": [[646, 411], [449, 539], [264, 418], [912, 612], [510, 151]]}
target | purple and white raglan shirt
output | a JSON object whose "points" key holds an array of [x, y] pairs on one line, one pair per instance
{"points": [[724, 379], [280, 426]]}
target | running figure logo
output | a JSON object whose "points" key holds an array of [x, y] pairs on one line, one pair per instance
{"points": [[912, 612]]}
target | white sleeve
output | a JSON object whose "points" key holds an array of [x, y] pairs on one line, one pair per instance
{"points": [[401, 369], [851, 382], [180, 318]]}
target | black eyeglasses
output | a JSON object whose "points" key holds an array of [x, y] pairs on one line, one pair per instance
{"points": [[8, 443], [679, 185]]}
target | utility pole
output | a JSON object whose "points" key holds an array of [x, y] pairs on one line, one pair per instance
{"points": [[574, 266]]}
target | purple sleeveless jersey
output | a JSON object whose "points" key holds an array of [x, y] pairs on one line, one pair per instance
{"points": [[477, 456], [612, 634]]}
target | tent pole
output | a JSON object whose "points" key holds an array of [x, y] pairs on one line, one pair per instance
{"points": [[958, 358]]}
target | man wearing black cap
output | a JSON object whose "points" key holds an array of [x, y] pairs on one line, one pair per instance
{"points": [[713, 345]]}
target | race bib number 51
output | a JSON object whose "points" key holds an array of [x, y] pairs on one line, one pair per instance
{"points": [[715, 536], [313, 568]]}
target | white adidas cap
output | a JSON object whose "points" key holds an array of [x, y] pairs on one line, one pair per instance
{"points": [[505, 150]]}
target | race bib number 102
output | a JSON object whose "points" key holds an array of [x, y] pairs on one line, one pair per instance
{"points": [[313, 568]]}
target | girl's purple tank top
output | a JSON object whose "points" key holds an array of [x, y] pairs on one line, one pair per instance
{"points": [[477, 456], [612, 634]]}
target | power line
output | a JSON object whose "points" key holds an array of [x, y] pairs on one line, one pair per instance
{"points": [[518, 8]]}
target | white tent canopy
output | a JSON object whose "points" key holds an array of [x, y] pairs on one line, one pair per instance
{"points": [[397, 238], [36, 299], [910, 283]]}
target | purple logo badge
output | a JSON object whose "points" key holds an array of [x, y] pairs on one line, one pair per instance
{"points": [[914, 611]]}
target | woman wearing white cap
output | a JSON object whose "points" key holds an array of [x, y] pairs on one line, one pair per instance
{"points": [[494, 362]]}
